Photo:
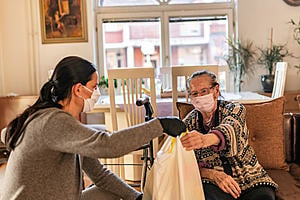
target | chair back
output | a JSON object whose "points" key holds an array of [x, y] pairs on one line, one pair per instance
{"points": [[298, 100], [126, 85], [279, 79], [12, 106], [179, 72]]}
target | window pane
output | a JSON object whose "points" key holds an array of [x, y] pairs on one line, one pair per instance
{"points": [[134, 43], [197, 1], [126, 2], [198, 41]]}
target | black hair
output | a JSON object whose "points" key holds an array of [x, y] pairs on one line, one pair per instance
{"points": [[196, 74], [68, 72]]}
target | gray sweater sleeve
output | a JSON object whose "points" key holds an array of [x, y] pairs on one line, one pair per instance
{"points": [[62, 132], [107, 180]]}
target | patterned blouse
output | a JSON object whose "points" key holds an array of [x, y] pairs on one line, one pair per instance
{"points": [[233, 155]]}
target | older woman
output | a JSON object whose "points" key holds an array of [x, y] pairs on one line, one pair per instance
{"points": [[218, 135]]}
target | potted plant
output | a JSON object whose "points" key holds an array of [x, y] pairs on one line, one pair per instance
{"points": [[268, 57], [240, 60], [103, 85], [296, 34]]}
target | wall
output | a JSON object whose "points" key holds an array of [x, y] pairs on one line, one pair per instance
{"points": [[14, 42], [255, 19], [24, 60]]}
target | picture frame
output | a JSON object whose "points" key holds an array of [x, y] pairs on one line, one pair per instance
{"points": [[292, 2], [63, 21]]}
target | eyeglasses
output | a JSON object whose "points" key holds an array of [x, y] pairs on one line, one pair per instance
{"points": [[202, 92]]}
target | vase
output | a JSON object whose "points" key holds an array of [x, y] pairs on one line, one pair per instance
{"points": [[267, 82], [103, 90]]}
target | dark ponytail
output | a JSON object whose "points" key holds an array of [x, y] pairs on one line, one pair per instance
{"points": [[68, 72]]}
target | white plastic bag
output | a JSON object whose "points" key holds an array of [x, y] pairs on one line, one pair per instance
{"points": [[174, 175]]}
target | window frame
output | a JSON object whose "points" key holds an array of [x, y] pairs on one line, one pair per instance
{"points": [[164, 12]]}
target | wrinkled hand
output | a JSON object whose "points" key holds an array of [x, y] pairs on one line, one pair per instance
{"points": [[226, 183], [172, 125], [196, 140]]}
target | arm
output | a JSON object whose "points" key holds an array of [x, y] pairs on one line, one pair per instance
{"points": [[107, 180], [233, 127], [62, 132]]}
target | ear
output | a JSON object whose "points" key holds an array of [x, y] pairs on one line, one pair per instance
{"points": [[76, 89], [217, 91]]}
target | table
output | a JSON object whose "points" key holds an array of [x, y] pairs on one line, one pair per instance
{"points": [[164, 105], [245, 97]]}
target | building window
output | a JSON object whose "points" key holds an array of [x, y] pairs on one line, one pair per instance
{"points": [[163, 33]]}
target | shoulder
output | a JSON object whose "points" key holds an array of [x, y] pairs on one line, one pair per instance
{"points": [[192, 117], [53, 114], [230, 106]]}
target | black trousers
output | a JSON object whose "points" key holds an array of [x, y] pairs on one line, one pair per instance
{"points": [[213, 192]]}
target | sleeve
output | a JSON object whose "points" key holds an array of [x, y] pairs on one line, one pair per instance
{"points": [[233, 127], [221, 145], [64, 133], [107, 180]]}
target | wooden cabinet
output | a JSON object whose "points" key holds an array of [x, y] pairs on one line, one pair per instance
{"points": [[291, 104]]}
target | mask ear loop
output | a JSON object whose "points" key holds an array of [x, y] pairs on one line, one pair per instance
{"points": [[87, 89]]}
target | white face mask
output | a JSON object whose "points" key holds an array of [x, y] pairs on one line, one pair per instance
{"points": [[90, 102], [204, 103]]}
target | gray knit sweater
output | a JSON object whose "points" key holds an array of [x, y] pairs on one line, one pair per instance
{"points": [[55, 148]]}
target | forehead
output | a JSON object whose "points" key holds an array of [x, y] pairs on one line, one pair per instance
{"points": [[203, 81]]}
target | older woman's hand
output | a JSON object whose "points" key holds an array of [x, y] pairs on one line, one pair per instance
{"points": [[195, 140], [226, 183]]}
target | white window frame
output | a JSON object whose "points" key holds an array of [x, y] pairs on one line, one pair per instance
{"points": [[164, 12]]}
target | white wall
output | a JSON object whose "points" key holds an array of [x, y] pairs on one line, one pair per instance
{"points": [[14, 45], [255, 19], [24, 60]]}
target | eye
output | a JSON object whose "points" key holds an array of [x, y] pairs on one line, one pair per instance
{"points": [[194, 94], [204, 91]]}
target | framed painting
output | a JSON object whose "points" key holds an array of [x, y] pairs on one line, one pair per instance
{"points": [[63, 21], [293, 2]]}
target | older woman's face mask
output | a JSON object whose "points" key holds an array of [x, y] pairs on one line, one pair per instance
{"points": [[204, 103], [202, 94]]}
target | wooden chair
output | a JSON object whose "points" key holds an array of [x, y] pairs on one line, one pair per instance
{"points": [[186, 71], [11, 107], [279, 80], [126, 85], [298, 100]]}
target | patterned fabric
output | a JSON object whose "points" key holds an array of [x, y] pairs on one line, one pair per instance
{"points": [[237, 155]]}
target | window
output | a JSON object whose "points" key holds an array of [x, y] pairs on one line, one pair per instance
{"points": [[196, 1], [197, 40], [104, 3], [163, 33], [132, 43]]}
